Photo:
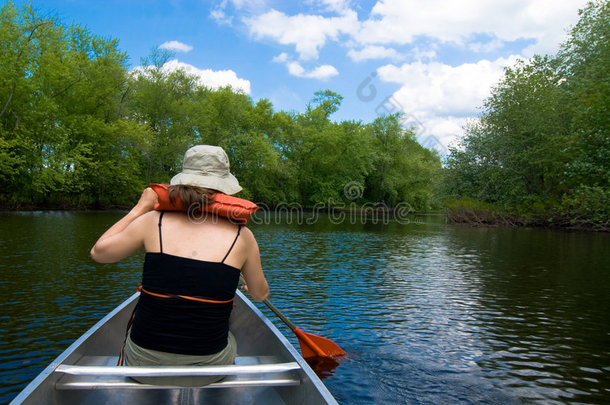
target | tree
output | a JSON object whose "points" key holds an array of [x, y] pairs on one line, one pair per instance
{"points": [[403, 170], [77, 130], [60, 95], [585, 60], [542, 146], [162, 101], [518, 147]]}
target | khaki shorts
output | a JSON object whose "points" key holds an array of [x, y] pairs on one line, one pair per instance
{"points": [[135, 355]]}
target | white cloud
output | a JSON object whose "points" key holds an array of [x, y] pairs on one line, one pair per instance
{"points": [[295, 69], [338, 6], [440, 95], [213, 79], [219, 14], [489, 46], [438, 98], [373, 52], [176, 46], [221, 17], [281, 58], [308, 33], [420, 54], [323, 72], [402, 21], [439, 88], [442, 130], [541, 23], [250, 5]]}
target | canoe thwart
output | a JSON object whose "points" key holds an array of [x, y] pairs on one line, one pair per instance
{"points": [[124, 383], [124, 371]]}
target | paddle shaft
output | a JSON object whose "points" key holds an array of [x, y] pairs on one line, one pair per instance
{"points": [[272, 307], [276, 311], [304, 338]]}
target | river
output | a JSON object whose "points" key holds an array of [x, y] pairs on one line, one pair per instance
{"points": [[428, 313]]}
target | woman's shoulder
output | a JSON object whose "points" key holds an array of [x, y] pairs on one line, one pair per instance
{"points": [[149, 217], [248, 236], [246, 232], [144, 223]]}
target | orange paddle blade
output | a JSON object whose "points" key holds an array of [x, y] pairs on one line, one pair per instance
{"points": [[317, 346]]}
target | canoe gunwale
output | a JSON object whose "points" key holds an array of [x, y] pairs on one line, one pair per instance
{"points": [[292, 360], [50, 369]]}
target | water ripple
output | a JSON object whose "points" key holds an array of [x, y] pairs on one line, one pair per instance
{"points": [[426, 312]]}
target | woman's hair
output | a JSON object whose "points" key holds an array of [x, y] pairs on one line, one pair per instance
{"points": [[191, 196]]}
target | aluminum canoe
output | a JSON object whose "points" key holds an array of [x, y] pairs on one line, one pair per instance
{"points": [[268, 369]]}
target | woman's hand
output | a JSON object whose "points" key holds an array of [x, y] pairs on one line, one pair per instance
{"points": [[147, 201]]}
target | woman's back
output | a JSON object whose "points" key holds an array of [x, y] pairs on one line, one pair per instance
{"points": [[191, 269], [187, 285], [210, 238]]}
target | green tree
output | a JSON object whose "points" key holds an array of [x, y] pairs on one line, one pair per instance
{"points": [[162, 101], [77, 130], [403, 170], [542, 146], [326, 155], [517, 150], [60, 94], [585, 60]]}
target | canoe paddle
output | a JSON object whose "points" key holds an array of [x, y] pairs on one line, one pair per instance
{"points": [[312, 346]]}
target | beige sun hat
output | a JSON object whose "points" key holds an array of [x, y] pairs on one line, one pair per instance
{"points": [[207, 166]]}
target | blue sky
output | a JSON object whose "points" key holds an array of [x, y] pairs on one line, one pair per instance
{"points": [[434, 60]]}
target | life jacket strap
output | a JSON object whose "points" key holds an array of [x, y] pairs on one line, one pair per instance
{"points": [[184, 297]]}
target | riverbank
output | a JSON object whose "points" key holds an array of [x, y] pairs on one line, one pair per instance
{"points": [[478, 214], [61, 207], [66, 205], [454, 215]]}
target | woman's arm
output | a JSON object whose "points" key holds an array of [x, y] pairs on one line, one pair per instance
{"points": [[125, 237], [253, 270]]}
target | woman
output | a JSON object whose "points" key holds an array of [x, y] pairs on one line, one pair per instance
{"points": [[200, 259]]}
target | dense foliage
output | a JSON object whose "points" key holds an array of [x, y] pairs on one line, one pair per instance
{"points": [[77, 129], [540, 153]]}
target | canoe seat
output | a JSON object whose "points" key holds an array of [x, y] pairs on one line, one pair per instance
{"points": [[98, 372]]}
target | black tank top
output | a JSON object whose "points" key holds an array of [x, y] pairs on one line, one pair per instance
{"points": [[178, 325]]}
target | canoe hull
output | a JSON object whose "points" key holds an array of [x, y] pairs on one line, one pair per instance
{"points": [[257, 338]]}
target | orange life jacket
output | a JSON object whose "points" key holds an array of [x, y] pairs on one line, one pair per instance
{"points": [[234, 209]]}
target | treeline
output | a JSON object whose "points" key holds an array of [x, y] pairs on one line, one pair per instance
{"points": [[540, 154], [78, 129]]}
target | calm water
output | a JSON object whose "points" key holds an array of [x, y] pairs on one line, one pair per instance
{"points": [[428, 313]]}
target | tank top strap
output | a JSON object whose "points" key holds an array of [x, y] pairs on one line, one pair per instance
{"points": [[160, 236], [233, 244]]}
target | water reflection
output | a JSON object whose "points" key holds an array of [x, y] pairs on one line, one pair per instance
{"points": [[427, 313], [464, 315], [324, 367], [51, 290]]}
